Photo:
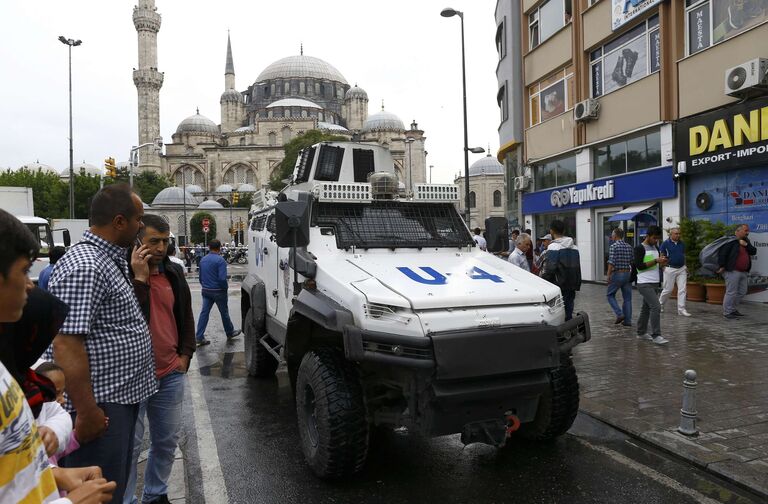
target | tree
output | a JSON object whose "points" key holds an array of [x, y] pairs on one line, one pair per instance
{"points": [[246, 199], [292, 150], [86, 186], [50, 194], [146, 183], [196, 227]]}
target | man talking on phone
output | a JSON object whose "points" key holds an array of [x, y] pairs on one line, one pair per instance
{"points": [[104, 346]]}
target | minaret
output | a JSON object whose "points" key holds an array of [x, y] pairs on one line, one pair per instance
{"points": [[148, 81], [231, 101]]}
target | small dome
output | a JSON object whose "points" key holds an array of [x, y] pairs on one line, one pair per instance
{"points": [[334, 128], [486, 166], [294, 102], [33, 167], [173, 196], [384, 121], [224, 188], [210, 205], [194, 189], [246, 188], [245, 129], [145, 206], [301, 67], [198, 124], [231, 95], [356, 92]]}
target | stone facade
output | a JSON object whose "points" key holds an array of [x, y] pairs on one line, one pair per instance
{"points": [[487, 190], [148, 81]]}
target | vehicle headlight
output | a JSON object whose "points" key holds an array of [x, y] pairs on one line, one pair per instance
{"points": [[555, 303]]}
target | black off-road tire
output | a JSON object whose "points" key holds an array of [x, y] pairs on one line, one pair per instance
{"points": [[330, 407], [558, 407], [258, 361]]}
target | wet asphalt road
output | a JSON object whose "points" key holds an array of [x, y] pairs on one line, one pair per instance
{"points": [[254, 427]]}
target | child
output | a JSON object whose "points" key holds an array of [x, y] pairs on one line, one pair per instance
{"points": [[55, 423]]}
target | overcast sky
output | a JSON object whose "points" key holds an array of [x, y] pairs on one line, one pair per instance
{"points": [[405, 53]]}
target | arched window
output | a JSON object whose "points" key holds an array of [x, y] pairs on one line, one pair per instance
{"points": [[180, 228], [188, 175], [287, 88], [497, 198], [272, 139], [287, 113], [286, 135], [472, 199], [239, 174], [242, 141], [302, 89]]}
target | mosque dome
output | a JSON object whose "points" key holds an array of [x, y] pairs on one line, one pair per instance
{"points": [[301, 66], [173, 196], [33, 167], [294, 102], [198, 124], [245, 129], [194, 189], [210, 205], [486, 166], [224, 188], [246, 188], [383, 121], [231, 95], [83, 168], [332, 128], [356, 92]]}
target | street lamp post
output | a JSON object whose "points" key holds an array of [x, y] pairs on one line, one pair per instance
{"points": [[184, 208], [448, 12], [231, 222], [71, 43]]}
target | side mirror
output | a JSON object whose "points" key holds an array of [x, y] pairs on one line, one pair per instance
{"points": [[292, 223], [67, 238]]}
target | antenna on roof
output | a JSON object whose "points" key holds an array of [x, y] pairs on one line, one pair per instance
{"points": [[197, 110], [301, 48], [382, 104]]}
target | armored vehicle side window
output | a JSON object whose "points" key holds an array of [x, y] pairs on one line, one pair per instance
{"points": [[363, 162], [258, 222], [329, 163], [271, 225], [305, 164]]}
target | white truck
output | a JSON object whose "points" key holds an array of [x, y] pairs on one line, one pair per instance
{"points": [[386, 314], [19, 201]]}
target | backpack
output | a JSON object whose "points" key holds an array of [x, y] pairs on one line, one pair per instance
{"points": [[708, 256]]}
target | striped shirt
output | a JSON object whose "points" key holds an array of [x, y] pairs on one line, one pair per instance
{"points": [[620, 255], [92, 278], [25, 474]]}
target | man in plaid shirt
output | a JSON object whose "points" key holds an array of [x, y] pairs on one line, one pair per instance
{"points": [[104, 345], [619, 274]]}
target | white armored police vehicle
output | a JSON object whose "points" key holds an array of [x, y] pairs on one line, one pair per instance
{"points": [[387, 314]]}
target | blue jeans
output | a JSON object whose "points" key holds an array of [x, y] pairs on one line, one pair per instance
{"points": [[163, 410], [620, 281], [220, 299], [112, 451], [569, 297]]}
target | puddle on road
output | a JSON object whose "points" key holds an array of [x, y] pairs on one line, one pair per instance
{"points": [[224, 365]]}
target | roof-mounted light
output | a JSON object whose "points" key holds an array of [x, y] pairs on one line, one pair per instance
{"points": [[436, 192]]}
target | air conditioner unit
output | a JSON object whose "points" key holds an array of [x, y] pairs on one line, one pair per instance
{"points": [[586, 110], [748, 77], [521, 183]]}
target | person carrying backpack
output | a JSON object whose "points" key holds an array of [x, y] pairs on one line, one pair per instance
{"points": [[562, 266], [648, 263]]}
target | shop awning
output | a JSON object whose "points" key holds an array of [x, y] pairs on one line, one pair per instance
{"points": [[629, 213]]}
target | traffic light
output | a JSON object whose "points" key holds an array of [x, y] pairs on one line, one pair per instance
{"points": [[109, 164], [235, 198]]}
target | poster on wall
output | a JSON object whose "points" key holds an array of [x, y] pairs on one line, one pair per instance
{"points": [[623, 11]]}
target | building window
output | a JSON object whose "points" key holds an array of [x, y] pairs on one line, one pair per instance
{"points": [[627, 155], [709, 22], [472, 199], [497, 198], [501, 40], [287, 88], [557, 172], [272, 139], [287, 112], [286, 135], [242, 140], [552, 96], [266, 91], [547, 19], [627, 58], [501, 99]]}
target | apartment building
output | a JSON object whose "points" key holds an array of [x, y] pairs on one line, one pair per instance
{"points": [[634, 113]]}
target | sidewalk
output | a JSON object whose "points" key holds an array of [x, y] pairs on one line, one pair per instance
{"points": [[636, 385]]}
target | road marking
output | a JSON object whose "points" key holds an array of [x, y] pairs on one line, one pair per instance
{"points": [[650, 473], [214, 487]]}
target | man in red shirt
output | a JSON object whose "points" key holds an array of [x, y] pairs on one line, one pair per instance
{"points": [[734, 259], [165, 300]]}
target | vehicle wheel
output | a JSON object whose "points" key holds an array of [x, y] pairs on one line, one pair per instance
{"points": [[558, 407], [243, 259], [229, 259], [258, 361], [331, 413]]}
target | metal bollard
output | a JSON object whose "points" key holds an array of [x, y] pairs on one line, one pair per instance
{"points": [[688, 411]]}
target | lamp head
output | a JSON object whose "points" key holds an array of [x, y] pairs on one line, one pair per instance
{"points": [[448, 12], [77, 43], [63, 40]]}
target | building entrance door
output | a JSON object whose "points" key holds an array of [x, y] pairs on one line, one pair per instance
{"points": [[604, 229]]}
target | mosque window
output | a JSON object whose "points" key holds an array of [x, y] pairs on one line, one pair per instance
{"points": [[302, 86], [497, 198], [181, 229], [317, 88], [322, 89], [266, 91], [272, 139], [472, 199], [250, 177], [286, 134], [271, 90], [287, 88], [242, 141], [303, 113], [319, 116], [287, 113], [269, 114]]}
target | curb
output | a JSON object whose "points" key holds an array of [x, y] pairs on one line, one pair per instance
{"points": [[679, 447]]}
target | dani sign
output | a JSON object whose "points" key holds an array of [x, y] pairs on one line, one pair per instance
{"points": [[728, 138]]}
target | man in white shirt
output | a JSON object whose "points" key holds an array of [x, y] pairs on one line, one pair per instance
{"points": [[479, 240], [517, 257]]}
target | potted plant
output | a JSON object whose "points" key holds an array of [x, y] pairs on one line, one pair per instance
{"points": [[690, 233], [714, 283]]}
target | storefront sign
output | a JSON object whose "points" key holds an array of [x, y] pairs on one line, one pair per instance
{"points": [[592, 192], [623, 11], [728, 138], [646, 185]]}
